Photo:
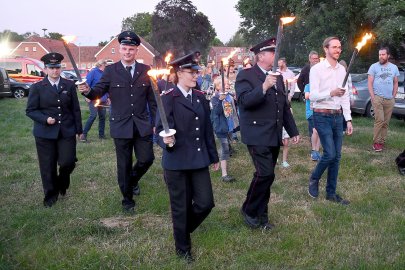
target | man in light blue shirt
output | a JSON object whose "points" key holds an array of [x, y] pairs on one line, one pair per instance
{"points": [[383, 87]]}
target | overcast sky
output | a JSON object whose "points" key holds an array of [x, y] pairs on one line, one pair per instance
{"points": [[95, 21]]}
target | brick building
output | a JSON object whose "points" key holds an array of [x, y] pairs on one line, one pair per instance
{"points": [[84, 56], [216, 54]]}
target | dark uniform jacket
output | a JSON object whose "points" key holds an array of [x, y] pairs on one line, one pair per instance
{"points": [[262, 116], [63, 105], [195, 143], [130, 99]]}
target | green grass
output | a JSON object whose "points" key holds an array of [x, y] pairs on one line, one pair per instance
{"points": [[88, 230]]}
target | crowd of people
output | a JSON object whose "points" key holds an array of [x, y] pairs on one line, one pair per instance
{"points": [[199, 105]]}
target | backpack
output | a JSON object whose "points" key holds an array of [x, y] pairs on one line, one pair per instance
{"points": [[400, 161]]}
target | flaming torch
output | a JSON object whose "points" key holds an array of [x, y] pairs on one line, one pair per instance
{"points": [[66, 41], [228, 60], [153, 73], [283, 20], [97, 104], [360, 44], [167, 60]]}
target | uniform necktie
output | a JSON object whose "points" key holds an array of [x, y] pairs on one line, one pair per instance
{"points": [[189, 98], [55, 86], [129, 68]]}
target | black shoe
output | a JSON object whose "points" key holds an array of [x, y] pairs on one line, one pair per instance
{"points": [[228, 178], [50, 202], [136, 190], [62, 192], [313, 188], [337, 199], [264, 222], [252, 222], [128, 205], [185, 255]]}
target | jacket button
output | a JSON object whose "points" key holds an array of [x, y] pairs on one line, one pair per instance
{"points": [[118, 85], [197, 129], [131, 85], [197, 139], [59, 108], [112, 118], [196, 118], [58, 100], [59, 122], [132, 95], [132, 114], [199, 149], [254, 122], [59, 114], [132, 104]]}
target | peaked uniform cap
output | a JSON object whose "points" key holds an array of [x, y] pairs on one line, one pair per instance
{"points": [[52, 59], [267, 45], [129, 38]]}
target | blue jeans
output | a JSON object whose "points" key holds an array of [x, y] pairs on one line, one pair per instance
{"points": [[101, 111], [330, 130]]}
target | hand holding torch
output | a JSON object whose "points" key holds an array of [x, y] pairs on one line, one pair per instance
{"points": [[66, 41], [360, 44], [166, 132]]}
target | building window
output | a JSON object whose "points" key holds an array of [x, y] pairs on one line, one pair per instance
{"points": [[26, 49], [34, 49], [112, 50]]}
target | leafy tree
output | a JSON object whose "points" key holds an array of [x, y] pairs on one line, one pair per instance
{"points": [[238, 39], [179, 28], [102, 43], [55, 35], [318, 19], [140, 23], [11, 36], [216, 42]]}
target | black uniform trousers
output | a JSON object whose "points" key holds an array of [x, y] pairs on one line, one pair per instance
{"points": [[191, 200], [128, 175], [51, 152], [264, 159]]}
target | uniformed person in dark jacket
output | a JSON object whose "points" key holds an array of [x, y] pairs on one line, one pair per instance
{"points": [[187, 154], [54, 107], [133, 105], [263, 113]]}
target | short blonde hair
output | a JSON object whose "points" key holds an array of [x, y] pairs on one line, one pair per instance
{"points": [[218, 82], [100, 62]]}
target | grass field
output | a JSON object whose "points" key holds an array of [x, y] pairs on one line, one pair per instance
{"points": [[88, 230]]}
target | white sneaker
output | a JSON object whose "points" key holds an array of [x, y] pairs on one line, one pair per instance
{"points": [[285, 164]]}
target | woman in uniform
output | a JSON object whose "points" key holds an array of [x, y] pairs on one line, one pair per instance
{"points": [[187, 154], [54, 107]]}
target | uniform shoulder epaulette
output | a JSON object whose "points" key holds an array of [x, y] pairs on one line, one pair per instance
{"points": [[168, 91], [199, 91]]}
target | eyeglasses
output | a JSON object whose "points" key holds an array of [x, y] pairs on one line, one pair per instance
{"points": [[193, 73]]}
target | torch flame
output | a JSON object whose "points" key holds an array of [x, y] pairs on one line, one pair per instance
{"points": [[226, 59], [155, 72], [168, 57], [69, 39], [286, 20], [363, 41], [97, 103]]}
